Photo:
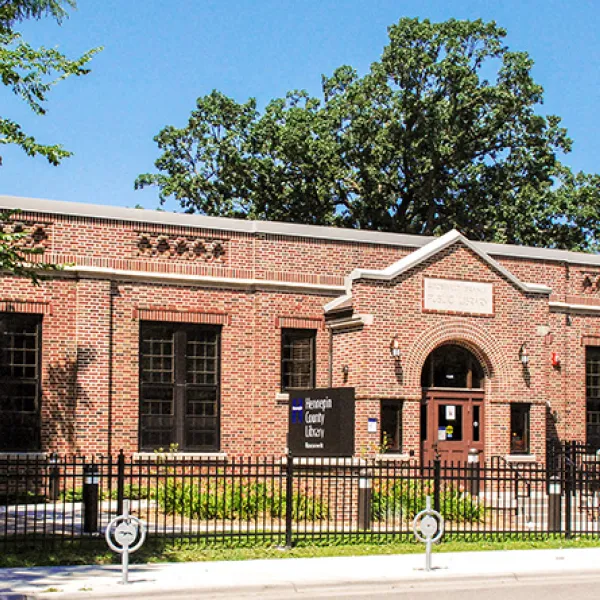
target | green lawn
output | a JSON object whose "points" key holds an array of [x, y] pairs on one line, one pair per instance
{"points": [[170, 552]]}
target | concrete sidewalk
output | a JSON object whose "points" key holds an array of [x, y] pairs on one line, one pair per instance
{"points": [[152, 580]]}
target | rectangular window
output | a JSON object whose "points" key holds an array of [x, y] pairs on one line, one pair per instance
{"points": [[298, 358], [179, 386], [391, 426], [20, 339], [519, 428], [592, 389]]}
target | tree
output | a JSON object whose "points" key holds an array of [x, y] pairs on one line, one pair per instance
{"points": [[30, 73], [442, 132]]}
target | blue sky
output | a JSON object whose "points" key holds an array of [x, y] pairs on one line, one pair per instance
{"points": [[160, 56]]}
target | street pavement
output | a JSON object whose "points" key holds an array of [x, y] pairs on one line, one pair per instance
{"points": [[287, 576]]}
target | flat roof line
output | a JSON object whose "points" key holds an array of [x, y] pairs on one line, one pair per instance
{"points": [[118, 213]]}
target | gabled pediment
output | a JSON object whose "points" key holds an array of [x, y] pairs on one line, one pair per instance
{"points": [[421, 255], [436, 246]]}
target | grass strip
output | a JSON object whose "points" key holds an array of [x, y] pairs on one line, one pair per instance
{"points": [[158, 551]]}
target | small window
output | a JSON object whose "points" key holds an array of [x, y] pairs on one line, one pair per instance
{"points": [[391, 426], [519, 428], [298, 359], [20, 339]]}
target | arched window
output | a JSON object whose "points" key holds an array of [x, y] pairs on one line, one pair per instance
{"points": [[452, 366]]}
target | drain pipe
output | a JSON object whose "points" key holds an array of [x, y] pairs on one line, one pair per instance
{"points": [[330, 357]]}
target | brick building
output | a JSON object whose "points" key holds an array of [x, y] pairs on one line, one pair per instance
{"points": [[169, 328]]}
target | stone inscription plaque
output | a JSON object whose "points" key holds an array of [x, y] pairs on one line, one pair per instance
{"points": [[458, 296]]}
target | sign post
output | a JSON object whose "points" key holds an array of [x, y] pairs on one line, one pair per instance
{"points": [[129, 534], [428, 527]]}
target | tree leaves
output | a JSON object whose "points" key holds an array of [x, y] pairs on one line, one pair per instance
{"points": [[444, 131], [16, 255], [30, 73]]}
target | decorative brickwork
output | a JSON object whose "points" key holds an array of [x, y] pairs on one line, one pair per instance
{"points": [[151, 245]]}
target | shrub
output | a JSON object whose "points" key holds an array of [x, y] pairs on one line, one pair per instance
{"points": [[244, 501], [404, 498]]}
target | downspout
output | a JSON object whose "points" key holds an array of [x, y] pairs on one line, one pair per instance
{"points": [[330, 357], [110, 368]]}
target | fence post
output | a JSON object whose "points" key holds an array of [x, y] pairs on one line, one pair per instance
{"points": [[473, 471], [120, 481], [569, 474], [365, 490], [53, 478], [554, 505], [90, 498], [289, 499], [437, 472]]}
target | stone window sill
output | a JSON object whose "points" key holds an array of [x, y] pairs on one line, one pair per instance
{"points": [[400, 457], [27, 455], [520, 458], [216, 456], [282, 398], [317, 461]]}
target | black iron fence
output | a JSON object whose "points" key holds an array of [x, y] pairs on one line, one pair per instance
{"points": [[284, 501]]}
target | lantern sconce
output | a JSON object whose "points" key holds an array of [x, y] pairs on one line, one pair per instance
{"points": [[395, 348], [345, 371], [523, 355]]}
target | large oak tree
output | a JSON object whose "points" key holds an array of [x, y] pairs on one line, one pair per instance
{"points": [[444, 131]]}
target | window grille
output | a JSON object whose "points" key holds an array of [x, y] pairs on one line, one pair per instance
{"points": [[298, 358], [20, 339], [179, 386]]}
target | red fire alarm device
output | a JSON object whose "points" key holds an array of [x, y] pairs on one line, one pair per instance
{"points": [[555, 359]]}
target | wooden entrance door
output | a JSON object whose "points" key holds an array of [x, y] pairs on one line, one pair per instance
{"points": [[451, 424]]}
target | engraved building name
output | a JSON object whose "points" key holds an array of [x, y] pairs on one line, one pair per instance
{"points": [[458, 296]]}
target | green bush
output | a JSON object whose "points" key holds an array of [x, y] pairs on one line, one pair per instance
{"points": [[402, 498], [230, 500], [405, 498], [134, 492]]}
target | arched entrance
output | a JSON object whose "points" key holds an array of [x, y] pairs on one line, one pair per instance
{"points": [[452, 409]]}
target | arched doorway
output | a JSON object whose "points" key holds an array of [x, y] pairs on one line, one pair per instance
{"points": [[452, 409]]}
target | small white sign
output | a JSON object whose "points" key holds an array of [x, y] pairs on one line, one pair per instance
{"points": [[442, 434], [450, 412], [458, 296], [372, 426]]}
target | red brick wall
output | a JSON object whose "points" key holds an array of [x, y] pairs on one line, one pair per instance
{"points": [[91, 331]]}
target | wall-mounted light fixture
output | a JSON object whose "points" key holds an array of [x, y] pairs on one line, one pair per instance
{"points": [[345, 370], [568, 320], [523, 356], [395, 348]]}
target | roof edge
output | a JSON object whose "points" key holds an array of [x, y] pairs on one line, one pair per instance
{"points": [[437, 245], [134, 215]]}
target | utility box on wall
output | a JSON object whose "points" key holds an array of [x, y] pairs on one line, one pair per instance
{"points": [[321, 422]]}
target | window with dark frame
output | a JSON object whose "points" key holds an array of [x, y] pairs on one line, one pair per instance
{"points": [[179, 386], [592, 393], [20, 393], [519, 428], [298, 358], [391, 427]]}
